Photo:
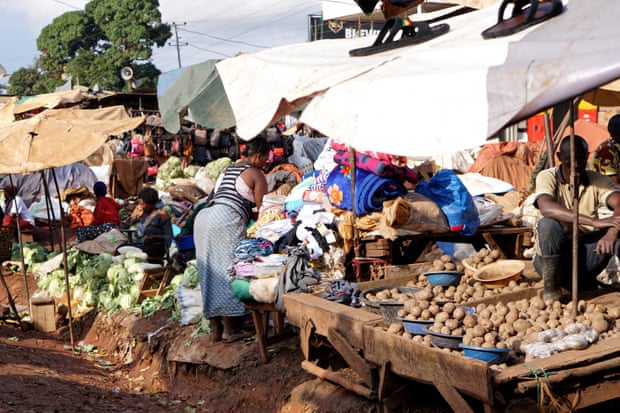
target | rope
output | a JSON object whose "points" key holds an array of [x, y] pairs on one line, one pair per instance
{"points": [[544, 393]]}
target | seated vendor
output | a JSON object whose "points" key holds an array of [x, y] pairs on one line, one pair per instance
{"points": [[154, 230], [104, 218], [14, 207]]}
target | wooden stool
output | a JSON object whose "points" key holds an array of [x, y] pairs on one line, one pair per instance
{"points": [[260, 316]]}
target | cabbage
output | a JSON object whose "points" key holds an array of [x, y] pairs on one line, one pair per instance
{"points": [[126, 301], [190, 276]]}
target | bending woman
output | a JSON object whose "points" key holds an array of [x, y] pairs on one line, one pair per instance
{"points": [[219, 228]]}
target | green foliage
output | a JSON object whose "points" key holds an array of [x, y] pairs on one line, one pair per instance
{"points": [[93, 45], [24, 82]]}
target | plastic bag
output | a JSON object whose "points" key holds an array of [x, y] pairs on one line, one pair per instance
{"points": [[457, 204], [488, 211]]}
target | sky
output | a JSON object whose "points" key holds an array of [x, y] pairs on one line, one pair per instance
{"points": [[207, 29]]}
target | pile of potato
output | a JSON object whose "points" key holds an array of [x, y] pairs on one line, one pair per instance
{"points": [[468, 289], [445, 263], [510, 325], [389, 294]]}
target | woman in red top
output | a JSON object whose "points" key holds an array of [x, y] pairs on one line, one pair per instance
{"points": [[105, 215], [106, 208]]}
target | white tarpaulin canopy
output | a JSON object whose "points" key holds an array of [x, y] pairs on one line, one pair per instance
{"points": [[448, 94]]}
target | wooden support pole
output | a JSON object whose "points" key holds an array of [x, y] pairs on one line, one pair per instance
{"points": [[363, 368], [338, 379]]}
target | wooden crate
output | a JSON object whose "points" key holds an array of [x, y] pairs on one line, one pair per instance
{"points": [[154, 281], [43, 314]]}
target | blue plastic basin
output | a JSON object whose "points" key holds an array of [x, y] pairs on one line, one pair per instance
{"points": [[487, 354], [444, 278]]}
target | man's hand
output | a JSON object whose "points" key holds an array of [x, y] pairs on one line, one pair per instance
{"points": [[608, 222], [605, 245]]}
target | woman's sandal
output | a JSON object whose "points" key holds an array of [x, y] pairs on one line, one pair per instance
{"points": [[525, 13], [410, 33], [236, 336]]}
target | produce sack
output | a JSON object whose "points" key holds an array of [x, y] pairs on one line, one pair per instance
{"points": [[457, 204], [190, 304]]}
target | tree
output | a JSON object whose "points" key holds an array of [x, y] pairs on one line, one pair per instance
{"points": [[93, 45], [24, 82]]}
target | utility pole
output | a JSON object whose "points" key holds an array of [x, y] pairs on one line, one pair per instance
{"points": [[177, 44]]}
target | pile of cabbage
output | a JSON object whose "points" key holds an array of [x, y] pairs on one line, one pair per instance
{"points": [[112, 283]]}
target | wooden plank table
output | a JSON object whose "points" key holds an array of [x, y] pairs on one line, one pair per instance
{"points": [[510, 241]]}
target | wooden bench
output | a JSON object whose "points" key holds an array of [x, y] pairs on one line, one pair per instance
{"points": [[261, 313]]}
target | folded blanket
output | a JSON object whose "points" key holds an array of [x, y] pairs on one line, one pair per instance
{"points": [[394, 160], [370, 191], [376, 166]]}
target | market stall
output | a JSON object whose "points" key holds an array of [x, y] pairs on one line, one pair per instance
{"points": [[384, 357]]}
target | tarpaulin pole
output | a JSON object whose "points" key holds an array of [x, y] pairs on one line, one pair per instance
{"points": [[575, 195], [352, 161], [51, 218], [63, 247], [548, 140], [21, 251]]}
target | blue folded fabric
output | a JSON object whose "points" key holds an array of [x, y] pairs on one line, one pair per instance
{"points": [[251, 248], [370, 191]]}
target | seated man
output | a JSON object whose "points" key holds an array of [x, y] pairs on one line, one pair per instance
{"points": [[598, 238]]}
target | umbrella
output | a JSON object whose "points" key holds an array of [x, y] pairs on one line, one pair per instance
{"points": [[58, 137], [448, 94], [199, 89], [606, 95]]}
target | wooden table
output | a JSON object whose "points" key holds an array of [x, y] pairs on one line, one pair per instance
{"points": [[510, 241]]}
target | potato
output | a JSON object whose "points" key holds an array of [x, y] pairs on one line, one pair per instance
{"points": [[445, 330], [434, 309], [458, 313], [445, 258], [449, 266], [614, 312], [415, 312], [522, 325], [477, 341], [425, 294], [448, 307], [452, 324], [395, 328], [490, 337], [478, 331], [483, 252], [442, 317], [469, 320]]}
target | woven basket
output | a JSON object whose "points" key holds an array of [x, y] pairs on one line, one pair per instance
{"points": [[6, 243], [499, 273]]}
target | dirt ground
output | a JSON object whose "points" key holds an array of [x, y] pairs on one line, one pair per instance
{"points": [[123, 363]]}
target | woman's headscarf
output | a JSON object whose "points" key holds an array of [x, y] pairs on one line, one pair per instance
{"points": [[11, 191]]}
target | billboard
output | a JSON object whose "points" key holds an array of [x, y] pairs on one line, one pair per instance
{"points": [[340, 29]]}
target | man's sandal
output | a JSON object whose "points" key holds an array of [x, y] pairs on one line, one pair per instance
{"points": [[411, 33], [525, 13]]}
